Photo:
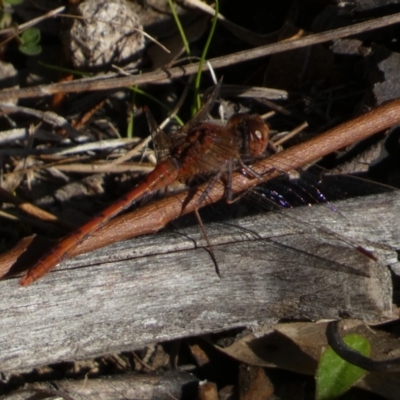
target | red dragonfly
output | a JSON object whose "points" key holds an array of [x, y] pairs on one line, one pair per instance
{"points": [[197, 149]]}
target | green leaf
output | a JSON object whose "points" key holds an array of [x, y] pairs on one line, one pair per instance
{"points": [[336, 376], [180, 27], [30, 49], [30, 36], [30, 42], [197, 101]]}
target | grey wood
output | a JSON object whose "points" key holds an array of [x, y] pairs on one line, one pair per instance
{"points": [[291, 264]]}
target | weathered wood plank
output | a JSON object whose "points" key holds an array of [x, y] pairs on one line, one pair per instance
{"points": [[163, 287]]}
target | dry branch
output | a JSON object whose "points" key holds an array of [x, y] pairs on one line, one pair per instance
{"points": [[84, 85]]}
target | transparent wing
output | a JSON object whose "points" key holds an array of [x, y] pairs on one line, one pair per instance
{"points": [[202, 112], [161, 141]]}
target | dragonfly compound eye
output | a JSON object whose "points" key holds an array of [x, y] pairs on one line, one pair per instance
{"points": [[258, 132], [252, 131]]}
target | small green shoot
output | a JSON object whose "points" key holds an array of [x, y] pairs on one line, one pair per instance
{"points": [[197, 100], [180, 27], [29, 40], [131, 118], [336, 376], [65, 70]]}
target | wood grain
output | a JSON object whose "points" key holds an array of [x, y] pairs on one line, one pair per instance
{"points": [[162, 287]]}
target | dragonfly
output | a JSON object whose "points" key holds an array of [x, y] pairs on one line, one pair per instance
{"points": [[198, 149]]}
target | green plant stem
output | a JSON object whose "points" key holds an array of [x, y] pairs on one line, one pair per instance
{"points": [[131, 119], [66, 70], [180, 27], [197, 100]]}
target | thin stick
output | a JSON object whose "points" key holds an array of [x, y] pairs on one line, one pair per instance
{"points": [[94, 84], [292, 133], [34, 211], [32, 22]]}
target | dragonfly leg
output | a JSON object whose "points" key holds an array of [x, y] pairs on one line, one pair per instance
{"points": [[249, 170], [213, 181], [209, 247], [201, 199], [245, 168]]}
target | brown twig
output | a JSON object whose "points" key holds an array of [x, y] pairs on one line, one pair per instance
{"points": [[94, 84], [153, 217], [107, 168]]}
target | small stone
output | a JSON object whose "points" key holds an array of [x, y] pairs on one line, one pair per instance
{"points": [[105, 32]]}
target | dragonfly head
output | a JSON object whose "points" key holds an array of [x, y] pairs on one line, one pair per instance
{"points": [[252, 132]]}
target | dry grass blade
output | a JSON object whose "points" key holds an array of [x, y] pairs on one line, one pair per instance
{"points": [[104, 168], [34, 211], [47, 116]]}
